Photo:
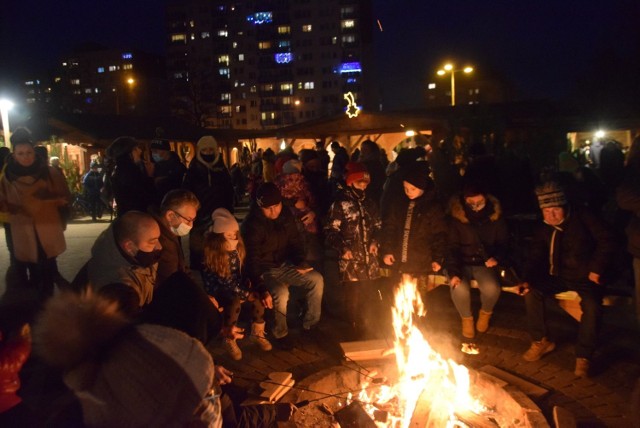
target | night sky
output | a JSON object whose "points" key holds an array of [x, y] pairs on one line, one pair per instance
{"points": [[543, 46]]}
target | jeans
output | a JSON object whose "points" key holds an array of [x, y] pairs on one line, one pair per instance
{"points": [[488, 285], [278, 280], [591, 304]]}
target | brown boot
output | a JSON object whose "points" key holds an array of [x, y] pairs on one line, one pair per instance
{"points": [[257, 336], [232, 349], [467, 327], [582, 367], [538, 349], [482, 324]]}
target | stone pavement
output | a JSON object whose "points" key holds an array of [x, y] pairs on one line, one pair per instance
{"points": [[603, 400]]}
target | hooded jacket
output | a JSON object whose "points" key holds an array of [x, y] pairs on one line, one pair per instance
{"points": [[211, 183], [474, 237]]}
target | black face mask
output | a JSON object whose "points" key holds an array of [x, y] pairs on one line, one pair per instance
{"points": [[147, 258], [208, 158]]}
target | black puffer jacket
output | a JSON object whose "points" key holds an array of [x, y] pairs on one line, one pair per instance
{"points": [[270, 243], [583, 243], [132, 188], [475, 237], [212, 186], [427, 234]]}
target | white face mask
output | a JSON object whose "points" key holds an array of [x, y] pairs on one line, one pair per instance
{"points": [[182, 230]]}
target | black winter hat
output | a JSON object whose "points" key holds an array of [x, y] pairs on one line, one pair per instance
{"points": [[160, 144], [21, 136], [267, 195], [417, 174]]}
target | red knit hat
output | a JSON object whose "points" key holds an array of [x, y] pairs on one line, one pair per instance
{"points": [[356, 171]]}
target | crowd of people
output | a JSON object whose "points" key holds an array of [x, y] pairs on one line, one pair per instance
{"points": [[425, 214]]}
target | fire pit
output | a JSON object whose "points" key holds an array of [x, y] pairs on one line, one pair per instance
{"points": [[421, 389]]}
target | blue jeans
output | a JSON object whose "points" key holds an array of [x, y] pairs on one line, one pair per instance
{"points": [[591, 304], [278, 280], [488, 285]]}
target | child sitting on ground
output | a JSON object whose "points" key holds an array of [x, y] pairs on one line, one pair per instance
{"points": [[224, 279]]}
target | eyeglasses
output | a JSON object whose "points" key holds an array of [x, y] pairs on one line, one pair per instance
{"points": [[188, 220]]}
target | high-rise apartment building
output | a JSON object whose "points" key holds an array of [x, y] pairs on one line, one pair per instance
{"points": [[267, 64]]}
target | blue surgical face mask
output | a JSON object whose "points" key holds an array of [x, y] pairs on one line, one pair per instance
{"points": [[156, 157]]}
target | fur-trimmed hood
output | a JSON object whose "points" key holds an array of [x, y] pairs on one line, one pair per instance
{"points": [[458, 212]]}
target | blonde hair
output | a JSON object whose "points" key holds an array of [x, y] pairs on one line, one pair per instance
{"points": [[216, 256]]}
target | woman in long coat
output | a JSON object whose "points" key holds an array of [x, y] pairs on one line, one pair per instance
{"points": [[32, 193]]}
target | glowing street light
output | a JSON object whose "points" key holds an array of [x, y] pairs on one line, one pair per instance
{"points": [[450, 68], [5, 106]]}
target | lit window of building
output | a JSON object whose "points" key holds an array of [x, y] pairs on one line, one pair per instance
{"points": [[127, 55], [264, 45], [240, 57], [283, 58], [259, 18], [75, 81], [306, 28], [286, 100], [284, 43], [127, 66], [223, 33], [350, 67], [225, 96], [179, 38], [432, 85], [348, 39], [284, 29], [334, 40], [192, 24], [223, 59], [87, 90], [112, 68], [348, 23], [286, 86], [205, 35], [224, 72], [225, 109], [193, 36], [100, 69], [267, 87], [308, 85]]}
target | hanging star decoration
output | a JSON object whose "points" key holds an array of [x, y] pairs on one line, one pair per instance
{"points": [[352, 109]]}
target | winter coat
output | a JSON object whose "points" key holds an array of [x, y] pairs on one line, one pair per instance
{"points": [[270, 243], [109, 265], [133, 189], [34, 203], [583, 243], [476, 237], [427, 240], [353, 225], [628, 198], [92, 183], [235, 285], [212, 186], [171, 256], [168, 175]]}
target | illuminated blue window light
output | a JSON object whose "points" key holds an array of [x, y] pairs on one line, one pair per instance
{"points": [[352, 80], [100, 69], [283, 58], [127, 55], [260, 18], [350, 67]]}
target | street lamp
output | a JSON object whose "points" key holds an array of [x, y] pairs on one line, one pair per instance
{"points": [[450, 68], [5, 106], [130, 82]]}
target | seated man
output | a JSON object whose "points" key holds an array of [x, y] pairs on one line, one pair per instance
{"points": [[275, 257], [570, 251], [127, 254]]}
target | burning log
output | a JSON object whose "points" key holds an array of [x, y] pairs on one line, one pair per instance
{"points": [[354, 416]]}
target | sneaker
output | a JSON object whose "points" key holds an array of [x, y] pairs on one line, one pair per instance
{"points": [[284, 343], [232, 349], [538, 349], [582, 367]]}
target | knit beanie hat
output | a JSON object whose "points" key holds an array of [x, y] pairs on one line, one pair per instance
{"points": [[550, 194], [356, 171], [160, 144], [122, 375], [21, 136], [292, 166], [223, 221], [417, 174], [268, 195]]}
